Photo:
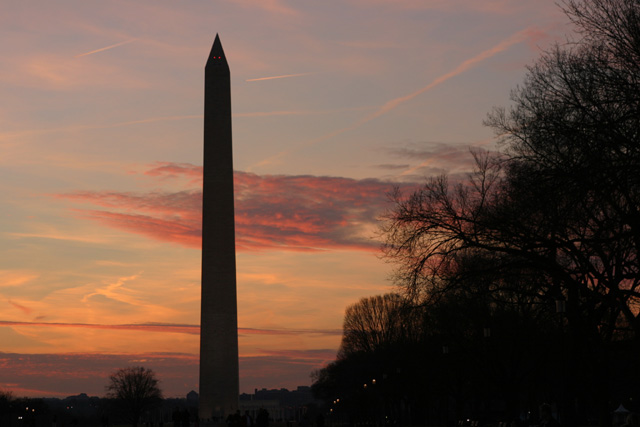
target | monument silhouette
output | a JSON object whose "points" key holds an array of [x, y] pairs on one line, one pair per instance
{"points": [[219, 372]]}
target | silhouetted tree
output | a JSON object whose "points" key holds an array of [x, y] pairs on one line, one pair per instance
{"points": [[134, 389], [560, 202], [6, 409], [380, 338], [443, 358], [379, 322]]}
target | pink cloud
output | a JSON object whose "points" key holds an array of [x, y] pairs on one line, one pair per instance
{"points": [[178, 229], [174, 170], [272, 6], [272, 211], [38, 375]]}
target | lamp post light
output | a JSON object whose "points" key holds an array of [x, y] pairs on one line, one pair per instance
{"points": [[334, 411]]}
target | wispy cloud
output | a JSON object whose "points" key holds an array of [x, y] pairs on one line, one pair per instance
{"points": [[434, 157], [169, 328], [300, 213], [300, 112], [38, 375], [499, 7], [278, 77], [368, 44], [177, 170], [102, 49], [156, 119], [392, 104], [58, 236], [464, 66], [116, 291], [9, 278], [150, 327], [24, 309], [148, 120], [56, 72], [273, 6]]}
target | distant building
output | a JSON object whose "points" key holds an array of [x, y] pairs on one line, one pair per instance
{"points": [[192, 399], [282, 404]]}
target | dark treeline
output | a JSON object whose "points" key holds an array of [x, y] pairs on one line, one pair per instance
{"points": [[87, 411], [520, 284], [470, 356]]}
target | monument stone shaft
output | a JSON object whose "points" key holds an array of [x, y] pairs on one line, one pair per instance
{"points": [[219, 372]]}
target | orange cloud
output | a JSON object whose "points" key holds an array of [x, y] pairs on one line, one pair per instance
{"points": [[172, 328], [62, 375], [25, 310], [10, 278], [272, 212]]}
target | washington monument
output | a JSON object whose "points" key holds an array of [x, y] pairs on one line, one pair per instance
{"points": [[219, 371]]}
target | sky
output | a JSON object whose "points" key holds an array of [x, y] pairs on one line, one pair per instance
{"points": [[333, 102]]}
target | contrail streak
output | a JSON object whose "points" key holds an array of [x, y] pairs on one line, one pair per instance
{"points": [[156, 119], [299, 112], [469, 63], [396, 102], [23, 133], [278, 77], [105, 48]]}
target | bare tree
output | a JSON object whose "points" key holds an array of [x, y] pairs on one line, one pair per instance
{"points": [[560, 200], [379, 322], [135, 389]]}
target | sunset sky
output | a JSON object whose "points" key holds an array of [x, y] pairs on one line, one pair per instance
{"points": [[333, 103]]}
